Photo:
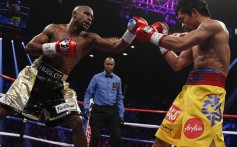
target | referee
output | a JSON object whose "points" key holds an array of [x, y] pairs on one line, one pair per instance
{"points": [[108, 109]]}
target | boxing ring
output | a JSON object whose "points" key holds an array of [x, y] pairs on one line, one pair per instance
{"points": [[25, 126]]}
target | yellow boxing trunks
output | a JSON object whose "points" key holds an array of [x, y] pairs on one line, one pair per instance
{"points": [[41, 88], [196, 115]]}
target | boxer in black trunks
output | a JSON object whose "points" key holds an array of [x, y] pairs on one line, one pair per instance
{"points": [[42, 85]]}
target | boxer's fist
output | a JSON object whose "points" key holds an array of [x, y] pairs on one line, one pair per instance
{"points": [[64, 46], [144, 33], [135, 23], [161, 27]]}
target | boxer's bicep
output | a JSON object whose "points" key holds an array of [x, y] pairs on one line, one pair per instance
{"points": [[193, 38], [35, 45], [196, 37]]}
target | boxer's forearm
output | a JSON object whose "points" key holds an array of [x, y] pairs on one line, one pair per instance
{"points": [[34, 48], [173, 60], [176, 62]]}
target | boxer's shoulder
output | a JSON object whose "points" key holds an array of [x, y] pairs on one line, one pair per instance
{"points": [[54, 26], [89, 35]]}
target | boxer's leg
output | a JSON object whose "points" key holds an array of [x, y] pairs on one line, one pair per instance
{"points": [[160, 143], [5, 111], [79, 137], [213, 144]]}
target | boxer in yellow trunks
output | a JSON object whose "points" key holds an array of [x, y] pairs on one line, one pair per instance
{"points": [[197, 111], [195, 118]]}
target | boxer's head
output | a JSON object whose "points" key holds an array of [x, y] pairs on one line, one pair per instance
{"points": [[82, 17], [189, 13], [109, 64]]}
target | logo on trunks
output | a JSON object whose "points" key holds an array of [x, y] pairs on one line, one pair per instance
{"points": [[50, 72], [193, 128], [66, 106], [173, 113], [165, 128], [212, 109]]}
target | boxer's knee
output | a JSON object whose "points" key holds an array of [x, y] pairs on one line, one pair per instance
{"points": [[75, 122], [4, 111]]}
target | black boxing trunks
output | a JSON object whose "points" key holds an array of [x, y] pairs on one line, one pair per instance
{"points": [[40, 88]]}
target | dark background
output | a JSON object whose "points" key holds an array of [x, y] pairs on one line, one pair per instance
{"points": [[148, 81]]}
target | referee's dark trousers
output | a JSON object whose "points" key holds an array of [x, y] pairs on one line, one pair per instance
{"points": [[105, 116]]}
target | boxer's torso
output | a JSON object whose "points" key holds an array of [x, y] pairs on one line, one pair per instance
{"points": [[214, 52], [65, 63]]}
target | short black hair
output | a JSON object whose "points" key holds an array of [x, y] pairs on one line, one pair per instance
{"points": [[186, 6]]}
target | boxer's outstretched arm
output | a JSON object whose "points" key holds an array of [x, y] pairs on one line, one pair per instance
{"points": [[121, 44], [107, 45]]}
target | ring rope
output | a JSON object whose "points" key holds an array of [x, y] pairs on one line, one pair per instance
{"points": [[7, 78], [36, 123], [161, 111], [131, 109], [126, 123], [65, 144], [34, 138], [131, 139]]}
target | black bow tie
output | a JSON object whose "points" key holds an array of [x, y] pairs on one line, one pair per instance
{"points": [[109, 76]]}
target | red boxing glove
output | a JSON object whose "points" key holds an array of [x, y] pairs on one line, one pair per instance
{"points": [[64, 46], [135, 23], [145, 32], [161, 27]]}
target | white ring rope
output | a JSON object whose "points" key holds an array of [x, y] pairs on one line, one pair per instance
{"points": [[47, 141], [156, 126], [71, 145], [65, 144], [141, 125], [34, 138]]}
